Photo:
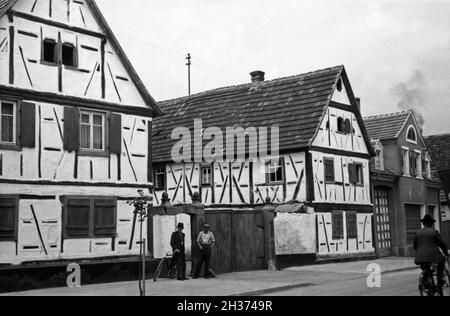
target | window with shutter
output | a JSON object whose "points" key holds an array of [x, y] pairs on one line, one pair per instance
{"points": [[105, 218], [8, 219], [329, 169], [352, 225], [90, 218], [337, 224], [78, 218]]}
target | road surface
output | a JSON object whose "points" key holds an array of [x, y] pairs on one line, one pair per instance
{"points": [[392, 284]]}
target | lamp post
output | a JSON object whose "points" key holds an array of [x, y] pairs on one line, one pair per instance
{"points": [[141, 205]]}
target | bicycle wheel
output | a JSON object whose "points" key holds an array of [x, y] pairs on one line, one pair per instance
{"points": [[158, 270], [426, 285], [446, 285]]}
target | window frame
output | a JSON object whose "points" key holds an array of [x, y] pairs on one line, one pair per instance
{"points": [[406, 162], [411, 127], [15, 146], [155, 175], [202, 183], [358, 166], [74, 55], [15, 236], [105, 130], [91, 229], [56, 52], [269, 167]]}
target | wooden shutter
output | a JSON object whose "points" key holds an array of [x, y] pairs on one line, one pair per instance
{"points": [[352, 225], [78, 218], [348, 126], [329, 170], [8, 208], [337, 224], [28, 125], [352, 173], [115, 133], [71, 129], [402, 161], [105, 218]]}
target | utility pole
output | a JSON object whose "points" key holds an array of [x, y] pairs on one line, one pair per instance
{"points": [[189, 63]]}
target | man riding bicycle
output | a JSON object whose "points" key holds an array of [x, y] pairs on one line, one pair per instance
{"points": [[428, 245]]}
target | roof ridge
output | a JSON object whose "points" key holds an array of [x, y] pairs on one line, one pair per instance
{"points": [[386, 115], [221, 89]]}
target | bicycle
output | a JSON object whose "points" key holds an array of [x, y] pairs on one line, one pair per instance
{"points": [[171, 268], [428, 281]]}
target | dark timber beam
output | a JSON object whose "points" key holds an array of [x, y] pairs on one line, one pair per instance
{"points": [[55, 98], [59, 25]]}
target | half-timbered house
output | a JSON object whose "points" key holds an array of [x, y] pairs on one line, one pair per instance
{"points": [[324, 155], [75, 125]]}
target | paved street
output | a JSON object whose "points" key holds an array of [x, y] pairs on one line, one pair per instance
{"points": [[399, 277], [393, 284]]}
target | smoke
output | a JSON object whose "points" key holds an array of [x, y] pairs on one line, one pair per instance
{"points": [[412, 95]]}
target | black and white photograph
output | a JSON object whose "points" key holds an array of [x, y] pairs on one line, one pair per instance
{"points": [[224, 154]]}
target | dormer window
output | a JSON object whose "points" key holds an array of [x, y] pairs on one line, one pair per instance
{"points": [[411, 135]]}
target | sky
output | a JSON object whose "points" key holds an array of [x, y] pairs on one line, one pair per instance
{"points": [[396, 52]]}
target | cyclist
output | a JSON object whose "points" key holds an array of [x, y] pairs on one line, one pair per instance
{"points": [[428, 245]]}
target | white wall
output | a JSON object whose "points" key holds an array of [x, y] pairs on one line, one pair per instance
{"points": [[295, 234]]}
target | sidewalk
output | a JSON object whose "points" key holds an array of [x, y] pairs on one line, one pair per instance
{"points": [[235, 284]]}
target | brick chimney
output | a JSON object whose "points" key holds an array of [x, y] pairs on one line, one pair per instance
{"points": [[257, 76]]}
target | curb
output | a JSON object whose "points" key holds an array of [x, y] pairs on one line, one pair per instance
{"points": [[275, 289]]}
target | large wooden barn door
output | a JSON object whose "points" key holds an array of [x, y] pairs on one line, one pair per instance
{"points": [[240, 240], [383, 227]]}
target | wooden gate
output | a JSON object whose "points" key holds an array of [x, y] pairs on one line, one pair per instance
{"points": [[382, 220], [240, 240]]}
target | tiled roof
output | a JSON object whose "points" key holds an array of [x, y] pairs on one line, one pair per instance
{"points": [[386, 126], [4, 4], [295, 104], [439, 149]]}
